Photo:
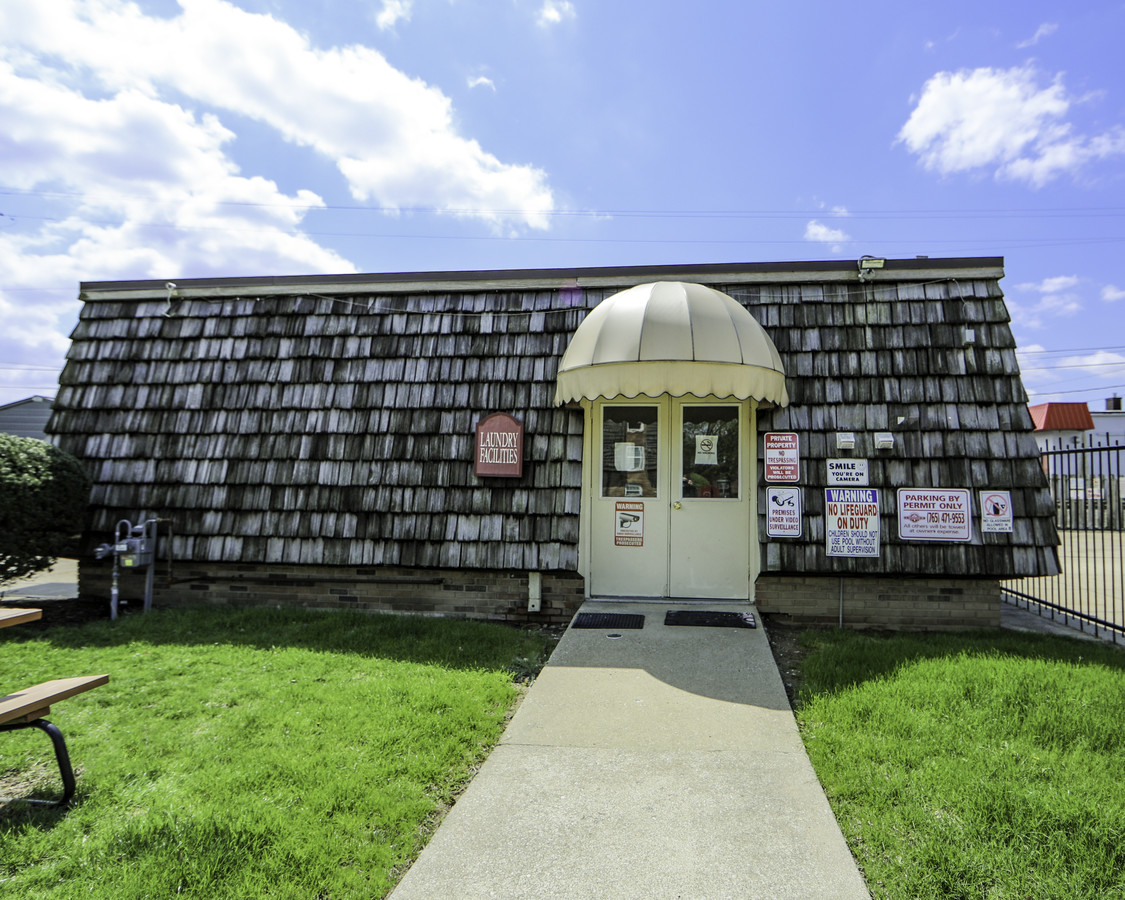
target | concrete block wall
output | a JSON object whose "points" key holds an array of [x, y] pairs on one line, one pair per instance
{"points": [[920, 604], [461, 593]]}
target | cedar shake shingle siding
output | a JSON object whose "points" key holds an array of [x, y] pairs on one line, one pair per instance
{"points": [[935, 365], [330, 421], [304, 429]]}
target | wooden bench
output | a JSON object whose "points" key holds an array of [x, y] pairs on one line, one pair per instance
{"points": [[12, 615], [26, 709]]}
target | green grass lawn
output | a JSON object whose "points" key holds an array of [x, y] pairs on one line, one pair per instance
{"points": [[248, 753], [989, 765]]}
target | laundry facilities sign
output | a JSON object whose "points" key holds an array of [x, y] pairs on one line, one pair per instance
{"points": [[499, 447]]}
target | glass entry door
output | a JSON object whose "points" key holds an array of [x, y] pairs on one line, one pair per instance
{"points": [[709, 522], [671, 499]]}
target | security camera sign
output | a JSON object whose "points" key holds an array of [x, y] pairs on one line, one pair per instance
{"points": [[629, 523], [783, 518]]}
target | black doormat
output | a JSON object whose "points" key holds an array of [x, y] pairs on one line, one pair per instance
{"points": [[623, 621], [711, 619]]}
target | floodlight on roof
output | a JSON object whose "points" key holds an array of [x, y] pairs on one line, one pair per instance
{"points": [[867, 264]]}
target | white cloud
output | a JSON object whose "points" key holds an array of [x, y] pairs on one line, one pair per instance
{"points": [[840, 211], [1058, 299], [554, 12], [391, 136], [392, 12], [180, 204], [1044, 30], [1112, 293], [1030, 360], [482, 81], [1002, 120], [121, 125], [1100, 364], [1023, 354], [1051, 285], [823, 234], [1045, 373]]}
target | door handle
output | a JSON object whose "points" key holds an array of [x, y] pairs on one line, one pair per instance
{"points": [[677, 505]]}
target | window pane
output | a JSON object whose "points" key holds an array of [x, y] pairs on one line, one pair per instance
{"points": [[629, 451], [711, 452]]}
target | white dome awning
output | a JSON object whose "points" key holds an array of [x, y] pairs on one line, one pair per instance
{"points": [[671, 337]]}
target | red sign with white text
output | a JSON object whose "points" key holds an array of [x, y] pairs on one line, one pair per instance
{"points": [[498, 450], [782, 457]]}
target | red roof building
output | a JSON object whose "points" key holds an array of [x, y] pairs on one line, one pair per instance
{"points": [[1061, 417]]}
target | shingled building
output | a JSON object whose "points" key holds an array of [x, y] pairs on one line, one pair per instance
{"points": [[835, 441]]}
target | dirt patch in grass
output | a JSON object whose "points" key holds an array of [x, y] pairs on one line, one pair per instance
{"points": [[787, 653]]}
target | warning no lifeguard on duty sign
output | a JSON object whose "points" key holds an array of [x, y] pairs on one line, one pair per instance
{"points": [[851, 520]]}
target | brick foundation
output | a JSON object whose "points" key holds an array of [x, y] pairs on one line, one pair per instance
{"points": [[460, 593], [916, 604]]}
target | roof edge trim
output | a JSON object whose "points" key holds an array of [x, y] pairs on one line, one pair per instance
{"points": [[895, 270]]}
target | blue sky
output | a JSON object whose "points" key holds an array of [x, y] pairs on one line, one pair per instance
{"points": [[164, 139]]}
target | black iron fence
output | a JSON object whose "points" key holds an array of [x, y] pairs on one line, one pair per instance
{"points": [[1087, 484]]}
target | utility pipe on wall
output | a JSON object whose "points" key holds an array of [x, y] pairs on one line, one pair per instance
{"points": [[534, 591]]}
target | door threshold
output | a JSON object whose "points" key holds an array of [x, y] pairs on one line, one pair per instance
{"points": [[670, 601]]}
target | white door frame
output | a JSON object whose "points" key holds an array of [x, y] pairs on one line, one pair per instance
{"points": [[671, 423]]}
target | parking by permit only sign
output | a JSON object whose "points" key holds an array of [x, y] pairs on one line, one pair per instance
{"points": [[851, 521], [931, 514]]}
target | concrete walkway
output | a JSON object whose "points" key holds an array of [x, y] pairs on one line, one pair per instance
{"points": [[60, 582], [661, 763]]}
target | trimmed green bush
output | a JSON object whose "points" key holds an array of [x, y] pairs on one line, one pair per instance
{"points": [[43, 497]]}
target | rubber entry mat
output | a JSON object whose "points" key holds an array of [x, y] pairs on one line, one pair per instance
{"points": [[624, 621], [712, 619]]}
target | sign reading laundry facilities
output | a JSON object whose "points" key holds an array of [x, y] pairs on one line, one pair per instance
{"points": [[629, 523], [782, 457], [851, 521], [499, 447]]}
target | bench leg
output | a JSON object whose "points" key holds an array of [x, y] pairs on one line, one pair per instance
{"points": [[61, 756]]}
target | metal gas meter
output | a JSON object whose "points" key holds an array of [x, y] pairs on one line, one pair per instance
{"points": [[133, 547], [138, 547]]}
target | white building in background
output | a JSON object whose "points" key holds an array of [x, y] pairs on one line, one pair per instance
{"points": [[1060, 426], [1086, 478], [1109, 422]]}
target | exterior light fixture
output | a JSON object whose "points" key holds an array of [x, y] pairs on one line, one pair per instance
{"points": [[871, 262], [845, 440], [884, 440], [867, 264]]}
